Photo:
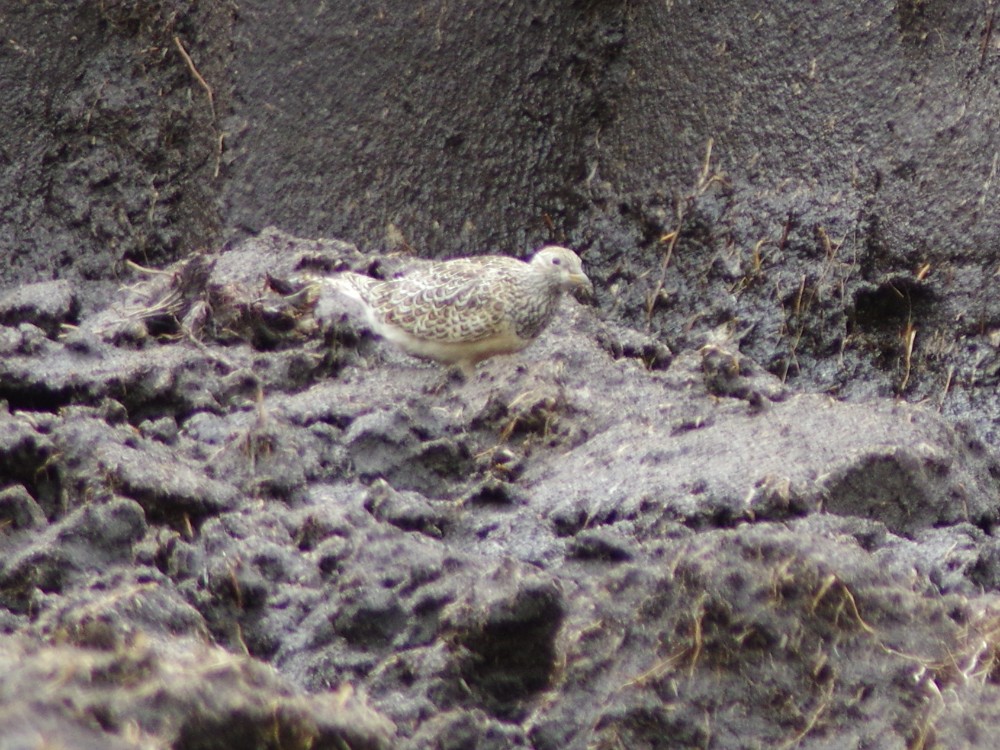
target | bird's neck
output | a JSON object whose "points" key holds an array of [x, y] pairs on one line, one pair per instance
{"points": [[546, 283]]}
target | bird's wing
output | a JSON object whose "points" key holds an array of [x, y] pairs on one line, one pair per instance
{"points": [[459, 301]]}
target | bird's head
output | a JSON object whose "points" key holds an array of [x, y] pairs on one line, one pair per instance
{"points": [[563, 267]]}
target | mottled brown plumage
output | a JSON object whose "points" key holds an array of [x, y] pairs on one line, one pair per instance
{"points": [[465, 310]]}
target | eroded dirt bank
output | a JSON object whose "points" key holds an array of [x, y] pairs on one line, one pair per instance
{"points": [[745, 498]]}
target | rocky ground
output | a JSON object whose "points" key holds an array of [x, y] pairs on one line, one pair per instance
{"points": [[235, 519], [745, 497]]}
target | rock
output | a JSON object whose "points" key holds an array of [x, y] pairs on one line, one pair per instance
{"points": [[506, 637], [599, 544], [388, 443], [470, 730], [203, 694], [98, 455], [912, 470], [18, 509], [86, 540], [25, 455], [47, 304], [113, 609], [406, 510]]}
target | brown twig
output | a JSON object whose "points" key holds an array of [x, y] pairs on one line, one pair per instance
{"points": [[198, 77], [909, 336], [947, 387], [823, 704], [987, 36], [220, 136]]}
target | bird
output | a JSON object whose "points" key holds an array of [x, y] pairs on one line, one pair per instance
{"points": [[462, 311]]}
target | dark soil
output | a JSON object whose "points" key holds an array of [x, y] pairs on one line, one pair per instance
{"points": [[746, 497]]}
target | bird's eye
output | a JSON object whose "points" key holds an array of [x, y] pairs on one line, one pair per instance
{"points": [[556, 261]]}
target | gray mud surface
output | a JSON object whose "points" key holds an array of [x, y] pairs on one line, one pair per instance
{"points": [[747, 497]]}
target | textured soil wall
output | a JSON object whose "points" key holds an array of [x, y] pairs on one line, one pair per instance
{"points": [[745, 497]]}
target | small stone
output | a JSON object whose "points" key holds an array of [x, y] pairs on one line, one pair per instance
{"points": [[18, 509], [47, 304]]}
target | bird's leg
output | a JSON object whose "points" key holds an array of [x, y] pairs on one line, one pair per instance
{"points": [[453, 374]]}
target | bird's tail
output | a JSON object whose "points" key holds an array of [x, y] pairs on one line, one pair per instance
{"points": [[346, 292], [355, 286]]}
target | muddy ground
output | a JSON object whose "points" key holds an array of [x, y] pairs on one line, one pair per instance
{"points": [[745, 497]]}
